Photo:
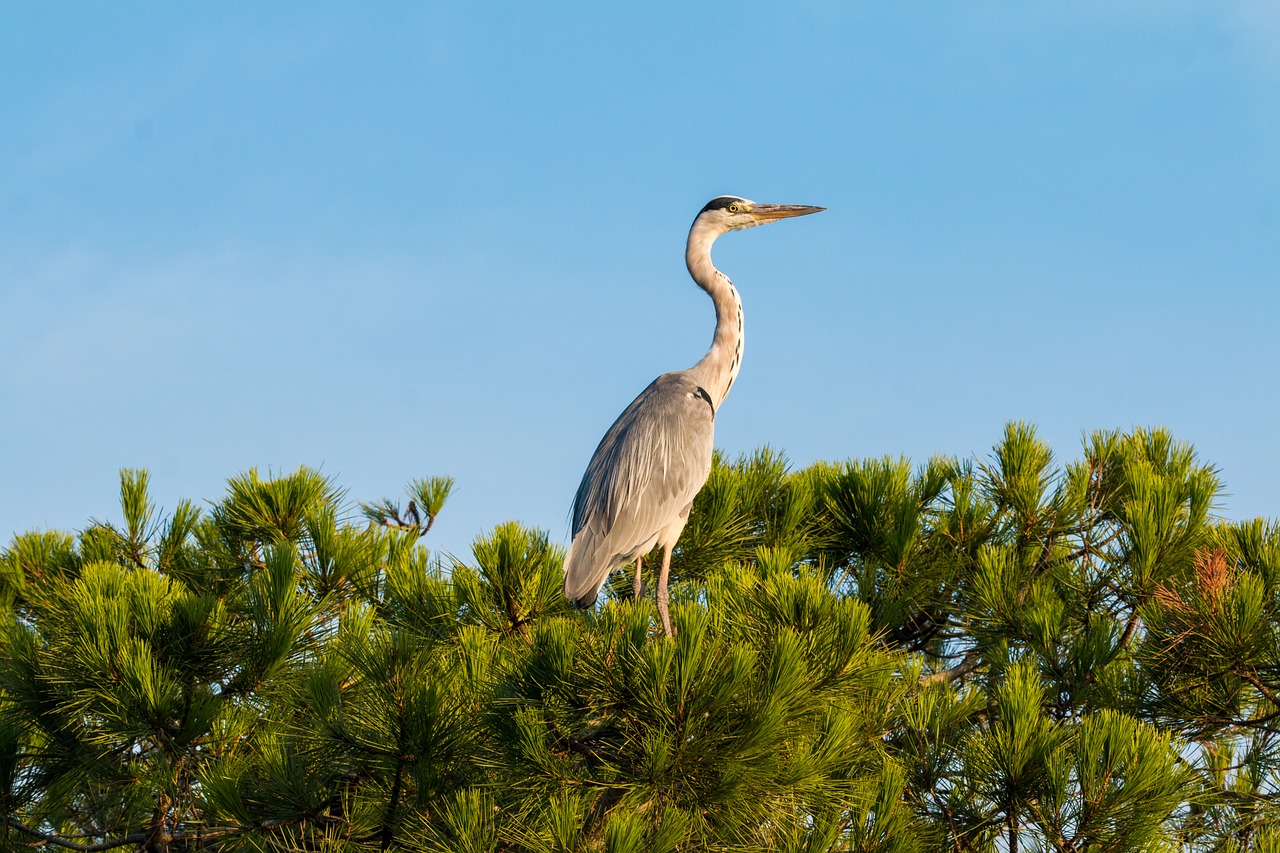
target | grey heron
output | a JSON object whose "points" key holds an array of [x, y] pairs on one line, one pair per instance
{"points": [[639, 486]]}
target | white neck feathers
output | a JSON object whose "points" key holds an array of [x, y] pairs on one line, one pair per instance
{"points": [[719, 367]]}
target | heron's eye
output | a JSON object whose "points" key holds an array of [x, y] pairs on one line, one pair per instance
{"points": [[733, 208]]}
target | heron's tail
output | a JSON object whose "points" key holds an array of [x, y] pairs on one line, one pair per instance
{"points": [[585, 571]]}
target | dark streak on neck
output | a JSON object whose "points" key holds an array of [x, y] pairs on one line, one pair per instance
{"points": [[702, 392]]}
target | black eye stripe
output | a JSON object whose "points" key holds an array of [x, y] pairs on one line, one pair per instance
{"points": [[720, 203]]}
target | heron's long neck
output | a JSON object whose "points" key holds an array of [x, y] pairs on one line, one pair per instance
{"points": [[719, 367]]}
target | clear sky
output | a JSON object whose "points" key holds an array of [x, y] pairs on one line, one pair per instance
{"points": [[390, 240]]}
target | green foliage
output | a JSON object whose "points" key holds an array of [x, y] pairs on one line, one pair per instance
{"points": [[997, 654], [426, 498]]}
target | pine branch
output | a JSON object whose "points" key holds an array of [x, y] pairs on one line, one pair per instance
{"points": [[135, 838], [1130, 627], [1260, 687], [972, 660]]}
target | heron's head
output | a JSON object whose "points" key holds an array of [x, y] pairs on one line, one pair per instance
{"points": [[730, 213]]}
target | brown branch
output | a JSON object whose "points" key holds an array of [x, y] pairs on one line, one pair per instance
{"points": [[1129, 629], [1260, 687], [1251, 723], [972, 660], [135, 838], [389, 824]]}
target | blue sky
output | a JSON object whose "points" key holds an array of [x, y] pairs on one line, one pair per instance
{"points": [[392, 240]]}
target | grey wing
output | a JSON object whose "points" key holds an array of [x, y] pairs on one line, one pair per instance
{"points": [[642, 477]]}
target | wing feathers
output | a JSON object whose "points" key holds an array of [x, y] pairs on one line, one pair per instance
{"points": [[642, 476]]}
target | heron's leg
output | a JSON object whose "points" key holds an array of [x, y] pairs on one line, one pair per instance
{"points": [[663, 595], [637, 586]]}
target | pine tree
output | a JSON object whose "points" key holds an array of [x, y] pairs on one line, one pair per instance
{"points": [[996, 654]]}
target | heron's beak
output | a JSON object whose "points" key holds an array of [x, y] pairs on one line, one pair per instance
{"points": [[763, 213]]}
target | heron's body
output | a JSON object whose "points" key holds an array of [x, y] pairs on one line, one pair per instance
{"points": [[640, 484]]}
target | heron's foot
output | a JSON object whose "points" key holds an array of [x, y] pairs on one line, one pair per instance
{"points": [[664, 613], [663, 595]]}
